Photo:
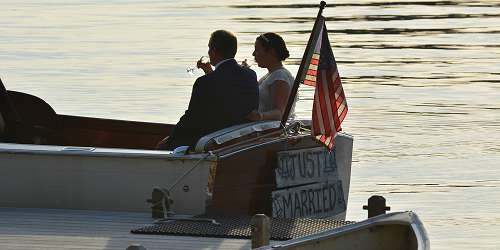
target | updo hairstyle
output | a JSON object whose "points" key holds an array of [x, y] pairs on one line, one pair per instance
{"points": [[274, 41]]}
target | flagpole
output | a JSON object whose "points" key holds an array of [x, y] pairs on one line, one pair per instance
{"points": [[300, 73]]}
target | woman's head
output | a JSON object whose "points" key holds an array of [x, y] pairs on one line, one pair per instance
{"points": [[270, 48]]}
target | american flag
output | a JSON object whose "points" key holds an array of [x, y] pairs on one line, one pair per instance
{"points": [[330, 106]]}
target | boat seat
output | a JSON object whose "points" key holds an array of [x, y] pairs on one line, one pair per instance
{"points": [[34, 125], [2, 127], [9, 116], [233, 133]]}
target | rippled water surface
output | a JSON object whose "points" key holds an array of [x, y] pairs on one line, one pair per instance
{"points": [[422, 80]]}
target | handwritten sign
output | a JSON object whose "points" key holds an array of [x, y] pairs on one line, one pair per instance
{"points": [[308, 184], [317, 200], [304, 166]]}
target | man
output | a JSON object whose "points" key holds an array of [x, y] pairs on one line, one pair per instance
{"points": [[221, 98]]}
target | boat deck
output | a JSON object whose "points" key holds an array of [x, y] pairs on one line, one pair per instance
{"points": [[29, 228]]}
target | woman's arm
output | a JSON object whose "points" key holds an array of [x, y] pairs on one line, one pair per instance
{"points": [[280, 90]]}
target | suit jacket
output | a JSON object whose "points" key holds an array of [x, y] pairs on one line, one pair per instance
{"points": [[219, 99]]}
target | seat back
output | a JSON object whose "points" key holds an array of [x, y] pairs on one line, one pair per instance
{"points": [[8, 114], [2, 126], [233, 133]]}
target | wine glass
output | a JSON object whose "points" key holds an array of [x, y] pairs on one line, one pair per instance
{"points": [[246, 64], [190, 69]]}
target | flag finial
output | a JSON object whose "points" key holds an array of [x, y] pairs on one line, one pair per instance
{"points": [[322, 5]]}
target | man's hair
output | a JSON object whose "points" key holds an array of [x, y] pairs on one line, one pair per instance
{"points": [[224, 42]]}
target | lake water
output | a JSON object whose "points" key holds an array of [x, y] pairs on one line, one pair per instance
{"points": [[422, 80]]}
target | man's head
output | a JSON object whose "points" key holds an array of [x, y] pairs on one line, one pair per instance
{"points": [[222, 45]]}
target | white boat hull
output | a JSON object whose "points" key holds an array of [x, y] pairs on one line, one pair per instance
{"points": [[400, 230], [98, 178]]}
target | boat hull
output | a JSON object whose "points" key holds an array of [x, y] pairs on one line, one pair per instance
{"points": [[39, 176], [400, 230], [105, 164], [246, 177]]}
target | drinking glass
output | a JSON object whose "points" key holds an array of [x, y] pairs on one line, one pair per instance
{"points": [[246, 64], [190, 69]]}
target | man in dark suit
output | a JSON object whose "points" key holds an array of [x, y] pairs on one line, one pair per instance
{"points": [[221, 98]]}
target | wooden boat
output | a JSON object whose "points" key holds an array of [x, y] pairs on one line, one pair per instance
{"points": [[60, 161]]}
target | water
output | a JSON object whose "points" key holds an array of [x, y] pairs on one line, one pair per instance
{"points": [[422, 80]]}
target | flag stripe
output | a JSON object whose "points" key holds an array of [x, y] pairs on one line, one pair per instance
{"points": [[310, 78], [322, 107], [310, 83], [328, 97], [320, 129], [311, 72], [335, 103]]}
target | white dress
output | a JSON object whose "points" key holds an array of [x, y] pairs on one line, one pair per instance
{"points": [[266, 102]]}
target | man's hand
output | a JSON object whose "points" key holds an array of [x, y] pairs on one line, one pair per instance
{"points": [[245, 64], [205, 66], [255, 116]]}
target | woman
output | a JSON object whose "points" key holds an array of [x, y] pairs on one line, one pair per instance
{"points": [[274, 87]]}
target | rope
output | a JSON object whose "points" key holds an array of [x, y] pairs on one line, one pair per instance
{"points": [[210, 153]]}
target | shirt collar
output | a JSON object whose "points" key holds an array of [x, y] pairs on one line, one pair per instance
{"points": [[221, 62]]}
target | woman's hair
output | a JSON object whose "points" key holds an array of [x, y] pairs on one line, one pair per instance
{"points": [[274, 41]]}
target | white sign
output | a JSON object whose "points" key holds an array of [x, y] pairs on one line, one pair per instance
{"points": [[298, 167], [317, 200]]}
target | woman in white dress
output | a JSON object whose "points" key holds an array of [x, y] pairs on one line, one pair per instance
{"points": [[274, 87]]}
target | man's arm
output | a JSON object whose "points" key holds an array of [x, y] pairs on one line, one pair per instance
{"points": [[184, 132]]}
